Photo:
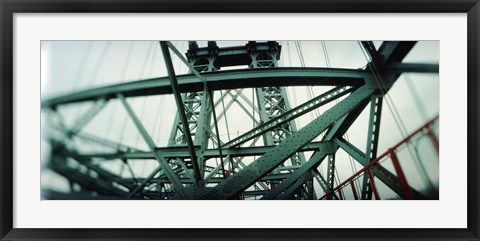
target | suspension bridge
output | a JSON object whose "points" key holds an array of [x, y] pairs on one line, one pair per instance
{"points": [[241, 122]]}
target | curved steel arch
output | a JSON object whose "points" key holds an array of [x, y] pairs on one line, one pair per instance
{"points": [[221, 80]]}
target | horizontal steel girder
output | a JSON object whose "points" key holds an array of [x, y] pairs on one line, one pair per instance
{"points": [[221, 80], [182, 152], [163, 179], [55, 195], [414, 68]]}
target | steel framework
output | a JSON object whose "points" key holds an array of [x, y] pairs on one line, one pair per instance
{"points": [[273, 160]]}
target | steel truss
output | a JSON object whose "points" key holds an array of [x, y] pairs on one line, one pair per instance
{"points": [[269, 161]]}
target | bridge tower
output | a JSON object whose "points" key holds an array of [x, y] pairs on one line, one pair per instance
{"points": [[271, 101]]}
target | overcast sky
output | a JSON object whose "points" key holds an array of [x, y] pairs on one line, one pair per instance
{"points": [[69, 66]]}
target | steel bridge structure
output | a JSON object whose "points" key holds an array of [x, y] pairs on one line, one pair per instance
{"points": [[275, 159]]}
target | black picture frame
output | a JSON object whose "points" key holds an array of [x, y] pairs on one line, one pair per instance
{"points": [[9, 7]]}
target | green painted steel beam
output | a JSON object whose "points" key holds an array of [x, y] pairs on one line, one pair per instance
{"points": [[186, 180], [181, 108], [299, 174], [289, 191], [56, 195], [341, 127], [373, 135], [414, 68], [220, 80], [182, 152]]}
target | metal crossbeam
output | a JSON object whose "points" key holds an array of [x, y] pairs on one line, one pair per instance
{"points": [[414, 68]]}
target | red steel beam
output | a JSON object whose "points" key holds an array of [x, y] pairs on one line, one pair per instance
{"points": [[354, 190], [376, 160], [372, 183], [433, 139], [342, 195], [401, 176]]}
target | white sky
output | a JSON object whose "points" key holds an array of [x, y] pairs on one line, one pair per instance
{"points": [[69, 66]]}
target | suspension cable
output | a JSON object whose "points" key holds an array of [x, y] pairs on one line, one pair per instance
{"points": [[162, 98], [97, 67], [290, 64], [224, 110], [127, 61], [310, 93], [416, 96], [325, 52], [149, 55], [156, 122], [153, 60], [83, 62]]}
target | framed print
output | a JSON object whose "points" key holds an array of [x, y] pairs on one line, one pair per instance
{"points": [[202, 120]]}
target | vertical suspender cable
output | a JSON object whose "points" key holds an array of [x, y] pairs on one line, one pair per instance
{"points": [[83, 62], [99, 65], [416, 97]]}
